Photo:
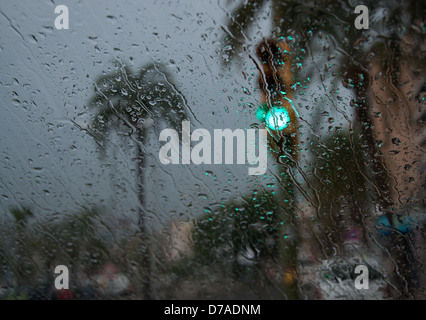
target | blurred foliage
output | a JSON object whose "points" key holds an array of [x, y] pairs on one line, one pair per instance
{"points": [[340, 183], [339, 168], [82, 241], [253, 238], [139, 100], [31, 249], [298, 21], [21, 215], [254, 224]]}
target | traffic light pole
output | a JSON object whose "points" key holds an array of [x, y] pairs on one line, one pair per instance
{"points": [[281, 120]]}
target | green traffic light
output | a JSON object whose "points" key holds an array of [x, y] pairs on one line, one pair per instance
{"points": [[277, 119]]}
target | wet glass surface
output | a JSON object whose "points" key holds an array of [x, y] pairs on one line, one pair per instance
{"points": [[86, 111]]}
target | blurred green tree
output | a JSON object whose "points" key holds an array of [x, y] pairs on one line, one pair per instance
{"points": [[249, 234]]}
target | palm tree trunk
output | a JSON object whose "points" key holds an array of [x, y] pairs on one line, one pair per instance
{"points": [[360, 80], [145, 239]]}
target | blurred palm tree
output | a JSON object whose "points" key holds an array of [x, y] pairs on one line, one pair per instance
{"points": [[140, 102]]}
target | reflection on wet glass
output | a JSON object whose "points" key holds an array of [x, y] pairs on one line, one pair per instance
{"points": [[82, 184]]}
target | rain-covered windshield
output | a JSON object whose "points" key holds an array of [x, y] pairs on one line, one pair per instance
{"points": [[212, 149]]}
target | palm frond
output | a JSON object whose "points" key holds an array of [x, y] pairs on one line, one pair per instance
{"points": [[21, 215], [240, 21]]}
